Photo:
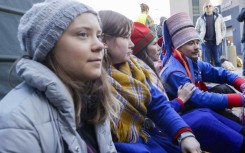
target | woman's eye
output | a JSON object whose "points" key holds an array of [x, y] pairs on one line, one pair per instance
{"points": [[83, 34], [127, 36], [100, 37]]}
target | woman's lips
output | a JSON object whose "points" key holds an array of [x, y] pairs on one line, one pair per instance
{"points": [[95, 60]]}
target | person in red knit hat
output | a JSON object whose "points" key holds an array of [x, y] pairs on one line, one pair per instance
{"points": [[146, 46]]}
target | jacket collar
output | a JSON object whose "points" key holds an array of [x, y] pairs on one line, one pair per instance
{"points": [[44, 80], [204, 18]]}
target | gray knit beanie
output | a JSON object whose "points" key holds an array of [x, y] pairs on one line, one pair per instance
{"points": [[42, 26]]}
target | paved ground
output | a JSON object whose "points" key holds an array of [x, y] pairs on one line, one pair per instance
{"points": [[238, 71]]}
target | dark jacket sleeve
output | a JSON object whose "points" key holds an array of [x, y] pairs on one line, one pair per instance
{"points": [[241, 16]]}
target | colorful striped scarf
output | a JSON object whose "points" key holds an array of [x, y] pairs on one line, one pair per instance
{"points": [[182, 59], [129, 81]]}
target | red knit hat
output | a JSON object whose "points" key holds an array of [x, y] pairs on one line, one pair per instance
{"points": [[141, 37]]}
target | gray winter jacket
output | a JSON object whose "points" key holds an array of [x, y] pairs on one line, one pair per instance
{"points": [[220, 27], [38, 116]]}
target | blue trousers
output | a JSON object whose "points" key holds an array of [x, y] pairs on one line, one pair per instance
{"points": [[211, 51], [156, 144], [215, 133]]}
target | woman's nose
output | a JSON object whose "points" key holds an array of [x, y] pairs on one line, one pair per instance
{"points": [[98, 45]]}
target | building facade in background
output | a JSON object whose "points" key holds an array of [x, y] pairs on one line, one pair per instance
{"points": [[181, 6], [229, 9]]}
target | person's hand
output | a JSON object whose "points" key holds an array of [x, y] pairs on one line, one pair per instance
{"points": [[185, 92], [190, 145]]}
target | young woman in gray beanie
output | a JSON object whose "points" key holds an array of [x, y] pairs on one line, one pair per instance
{"points": [[63, 103]]}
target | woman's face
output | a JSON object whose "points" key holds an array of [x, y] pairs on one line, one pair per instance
{"points": [[190, 49], [120, 49], [153, 50], [79, 50]]}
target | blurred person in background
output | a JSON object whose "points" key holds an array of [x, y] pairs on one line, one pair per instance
{"points": [[212, 30], [145, 18], [159, 27]]}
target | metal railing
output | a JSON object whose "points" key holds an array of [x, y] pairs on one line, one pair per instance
{"points": [[8, 58], [11, 10], [6, 9]]}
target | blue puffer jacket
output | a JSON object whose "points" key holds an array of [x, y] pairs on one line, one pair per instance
{"points": [[38, 116], [174, 74]]}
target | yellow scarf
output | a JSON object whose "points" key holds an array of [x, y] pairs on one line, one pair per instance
{"points": [[129, 81]]}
